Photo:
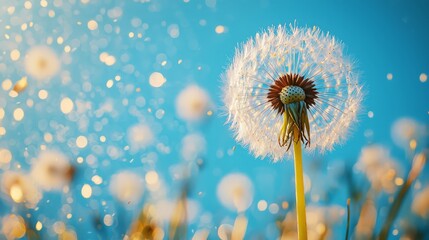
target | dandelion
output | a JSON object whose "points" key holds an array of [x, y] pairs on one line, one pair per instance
{"points": [[127, 187], [192, 103], [140, 136], [290, 78], [287, 86], [235, 192], [42, 63], [380, 169], [52, 170], [406, 132], [21, 188]]}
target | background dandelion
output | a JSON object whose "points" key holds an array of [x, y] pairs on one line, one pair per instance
{"points": [[125, 63]]}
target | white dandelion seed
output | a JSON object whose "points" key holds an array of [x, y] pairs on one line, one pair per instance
{"points": [[52, 170], [42, 63], [192, 103], [127, 187], [289, 78], [235, 192], [20, 188]]}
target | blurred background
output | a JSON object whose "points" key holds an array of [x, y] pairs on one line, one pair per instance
{"points": [[111, 121]]}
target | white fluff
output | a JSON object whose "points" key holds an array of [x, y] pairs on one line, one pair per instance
{"points": [[42, 63], [235, 192], [140, 136], [51, 170], [304, 51], [28, 193], [379, 167], [406, 129], [192, 103], [127, 187]]}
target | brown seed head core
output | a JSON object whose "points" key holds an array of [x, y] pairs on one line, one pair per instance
{"points": [[287, 80]]}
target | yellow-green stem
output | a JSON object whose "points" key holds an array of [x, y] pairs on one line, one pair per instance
{"points": [[299, 188]]}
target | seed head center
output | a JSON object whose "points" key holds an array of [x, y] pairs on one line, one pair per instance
{"points": [[291, 94]]}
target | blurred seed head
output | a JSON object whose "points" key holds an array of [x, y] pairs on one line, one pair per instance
{"points": [[235, 192], [42, 63], [51, 170], [127, 187], [192, 103], [21, 188]]}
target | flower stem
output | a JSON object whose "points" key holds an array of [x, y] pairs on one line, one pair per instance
{"points": [[178, 222], [299, 188], [418, 164], [348, 219], [394, 211], [240, 227]]}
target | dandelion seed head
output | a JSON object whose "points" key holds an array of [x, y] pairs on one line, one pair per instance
{"points": [[21, 188], [272, 70], [405, 130], [127, 187], [378, 166], [140, 136], [51, 170], [42, 63], [290, 94], [192, 103], [235, 192]]}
